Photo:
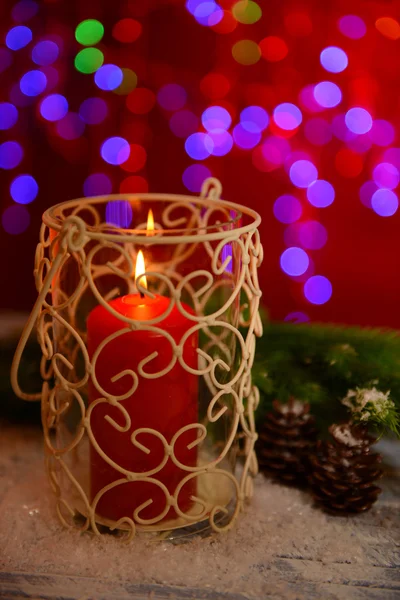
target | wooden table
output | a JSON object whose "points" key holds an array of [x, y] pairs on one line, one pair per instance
{"points": [[283, 548]]}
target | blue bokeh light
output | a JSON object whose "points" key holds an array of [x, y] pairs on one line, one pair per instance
{"points": [[287, 116], [222, 142], [352, 27], [193, 177], [216, 117], [386, 176], [15, 219], [384, 202], [303, 173], [93, 111], [54, 107], [287, 209], [24, 11], [18, 37], [244, 138], [183, 123], [119, 213], [97, 184], [8, 115], [45, 53], [199, 146], [297, 317], [172, 96], [294, 261], [11, 154], [358, 120], [108, 77], [320, 193], [318, 289], [24, 189], [312, 235], [33, 83], [327, 94], [254, 118], [115, 150], [334, 59], [208, 13]]}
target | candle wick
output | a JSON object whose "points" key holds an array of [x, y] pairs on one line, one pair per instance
{"points": [[141, 294]]}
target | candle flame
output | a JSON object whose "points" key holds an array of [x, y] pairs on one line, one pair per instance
{"points": [[140, 269], [150, 223]]}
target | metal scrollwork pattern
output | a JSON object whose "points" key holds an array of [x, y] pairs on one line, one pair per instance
{"points": [[204, 252]]}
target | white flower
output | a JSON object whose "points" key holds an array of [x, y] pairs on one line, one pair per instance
{"points": [[369, 403]]}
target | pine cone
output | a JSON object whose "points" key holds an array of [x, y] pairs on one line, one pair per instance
{"points": [[285, 440], [343, 472]]}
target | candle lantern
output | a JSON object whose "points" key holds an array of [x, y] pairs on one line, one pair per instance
{"points": [[146, 315]]}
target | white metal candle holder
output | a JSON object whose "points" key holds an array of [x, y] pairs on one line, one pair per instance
{"points": [[203, 256]]}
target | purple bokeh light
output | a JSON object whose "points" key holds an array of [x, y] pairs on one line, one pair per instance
{"points": [[313, 235], [183, 123], [287, 209], [254, 118], [358, 120], [216, 117], [294, 261], [386, 176], [199, 146], [384, 202], [15, 219], [97, 184], [24, 189], [287, 116], [382, 133], [54, 107], [352, 27], [193, 177], [18, 37], [327, 94], [115, 150], [11, 154], [45, 53], [119, 213], [320, 193], [70, 127], [318, 289], [244, 138], [8, 115], [172, 96], [24, 11], [33, 83], [334, 59], [303, 173], [93, 111]]}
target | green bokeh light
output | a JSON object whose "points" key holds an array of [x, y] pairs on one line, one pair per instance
{"points": [[89, 60], [89, 32], [247, 12]]}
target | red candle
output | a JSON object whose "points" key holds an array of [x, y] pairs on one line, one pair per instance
{"points": [[165, 404]]}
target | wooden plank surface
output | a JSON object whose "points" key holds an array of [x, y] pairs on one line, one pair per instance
{"points": [[283, 547]]}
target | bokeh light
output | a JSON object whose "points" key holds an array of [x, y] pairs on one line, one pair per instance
{"points": [[24, 10], [246, 12], [89, 32], [70, 127], [199, 146], [287, 116], [136, 160], [386, 176], [93, 111], [134, 184], [246, 52], [54, 107], [352, 27], [312, 235], [127, 30], [216, 117], [244, 138], [327, 94], [183, 123], [275, 150], [88, 60], [11, 154], [303, 173], [318, 131], [287, 209], [273, 48], [366, 192], [172, 96], [222, 142], [254, 118], [307, 100], [45, 53], [334, 59], [108, 77], [358, 120], [392, 155], [97, 184], [226, 25], [340, 129], [382, 133], [208, 13], [8, 115], [320, 193], [318, 289], [18, 37], [215, 86], [15, 219], [388, 27], [384, 202], [360, 144], [294, 261], [33, 83], [128, 84], [115, 150], [24, 189], [119, 213], [140, 101], [194, 176], [297, 317]]}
